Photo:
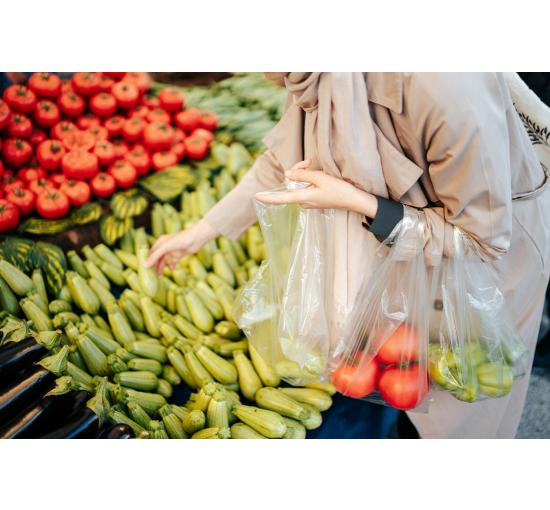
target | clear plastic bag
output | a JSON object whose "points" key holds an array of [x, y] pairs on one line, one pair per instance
{"points": [[474, 352], [285, 310], [383, 355]]}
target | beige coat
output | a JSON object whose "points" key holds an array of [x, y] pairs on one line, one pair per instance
{"points": [[453, 145]]}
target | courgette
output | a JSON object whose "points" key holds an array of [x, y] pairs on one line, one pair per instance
{"points": [[138, 380], [275, 400], [249, 381], [268, 423], [83, 296], [267, 373], [17, 281], [317, 398], [220, 369], [95, 359]]}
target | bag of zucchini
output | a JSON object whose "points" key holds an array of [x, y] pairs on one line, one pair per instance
{"points": [[286, 309], [474, 351]]}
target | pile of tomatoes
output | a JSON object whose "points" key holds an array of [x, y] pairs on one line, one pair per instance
{"points": [[62, 142], [394, 370]]}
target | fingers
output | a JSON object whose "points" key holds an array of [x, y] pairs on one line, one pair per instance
{"points": [[159, 242], [159, 249], [285, 197], [301, 165], [301, 174]]}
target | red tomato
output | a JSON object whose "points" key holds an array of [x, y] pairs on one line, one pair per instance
{"points": [[49, 154], [6, 176], [79, 140], [115, 76], [399, 347], [171, 100], [20, 98], [5, 114], [12, 184], [87, 120], [79, 164], [140, 80], [179, 135], [45, 84], [71, 104], [52, 204], [124, 173], [126, 94], [403, 388], [164, 159], [20, 126], [1, 168], [66, 86], [103, 104], [188, 120], [78, 192], [158, 115], [16, 152], [205, 134], [57, 179], [39, 185], [103, 185], [46, 113], [121, 148], [31, 173], [23, 199], [105, 152], [179, 150], [140, 159], [63, 128], [99, 132], [158, 136], [133, 129], [139, 111], [196, 147], [9, 216], [86, 84], [358, 379], [114, 125], [105, 83], [208, 120], [37, 137], [150, 101]]}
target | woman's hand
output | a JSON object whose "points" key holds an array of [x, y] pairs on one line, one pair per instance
{"points": [[324, 192], [168, 249]]}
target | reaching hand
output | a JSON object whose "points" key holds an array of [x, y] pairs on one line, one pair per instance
{"points": [[168, 249]]}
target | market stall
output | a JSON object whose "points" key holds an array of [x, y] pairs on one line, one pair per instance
{"points": [[93, 344]]}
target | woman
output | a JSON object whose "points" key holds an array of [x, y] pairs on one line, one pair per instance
{"points": [[451, 145]]}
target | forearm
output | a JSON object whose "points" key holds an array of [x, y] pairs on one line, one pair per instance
{"points": [[235, 212]]}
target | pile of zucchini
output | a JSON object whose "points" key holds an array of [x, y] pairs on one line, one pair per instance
{"points": [[127, 336]]}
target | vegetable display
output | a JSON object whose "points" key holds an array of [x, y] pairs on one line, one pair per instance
{"points": [[129, 352], [94, 124], [113, 330]]}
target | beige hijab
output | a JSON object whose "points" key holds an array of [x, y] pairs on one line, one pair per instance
{"points": [[327, 119]]}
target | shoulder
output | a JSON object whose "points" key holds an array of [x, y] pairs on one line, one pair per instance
{"points": [[452, 92]]}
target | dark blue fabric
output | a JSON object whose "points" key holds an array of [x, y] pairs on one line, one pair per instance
{"points": [[349, 418]]}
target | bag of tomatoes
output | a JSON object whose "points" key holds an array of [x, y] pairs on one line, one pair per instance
{"points": [[382, 355], [474, 352], [286, 310]]}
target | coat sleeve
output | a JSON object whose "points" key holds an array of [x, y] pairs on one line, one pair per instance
{"points": [[461, 121], [235, 212]]}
